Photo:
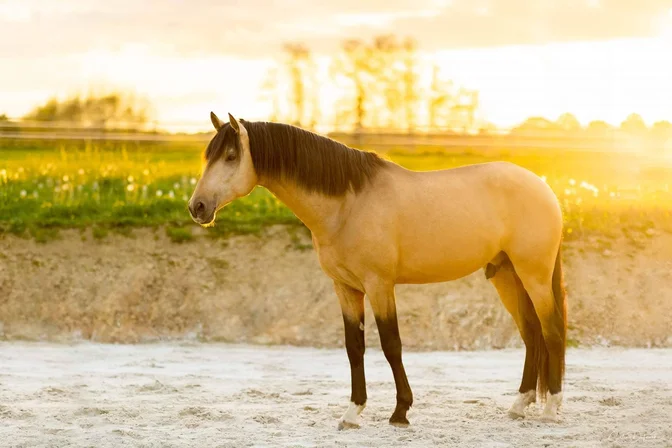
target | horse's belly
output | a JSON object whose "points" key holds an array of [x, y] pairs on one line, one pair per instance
{"points": [[438, 272], [432, 260]]}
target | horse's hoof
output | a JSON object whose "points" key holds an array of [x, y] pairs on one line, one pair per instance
{"points": [[347, 425], [553, 403], [405, 424], [350, 419], [515, 414], [549, 418], [517, 409], [399, 422]]}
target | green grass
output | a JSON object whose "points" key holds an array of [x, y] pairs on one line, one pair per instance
{"points": [[116, 186]]}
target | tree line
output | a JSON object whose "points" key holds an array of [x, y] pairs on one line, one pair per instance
{"points": [[379, 85]]}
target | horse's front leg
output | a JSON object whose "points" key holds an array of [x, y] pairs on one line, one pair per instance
{"points": [[381, 296], [352, 305]]}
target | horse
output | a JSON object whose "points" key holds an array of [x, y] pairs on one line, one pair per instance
{"points": [[375, 224]]}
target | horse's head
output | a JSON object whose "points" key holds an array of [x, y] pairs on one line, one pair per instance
{"points": [[228, 174]]}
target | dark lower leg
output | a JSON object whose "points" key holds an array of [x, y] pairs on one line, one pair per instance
{"points": [[555, 343], [354, 344], [530, 331], [530, 370], [555, 364], [391, 344]]}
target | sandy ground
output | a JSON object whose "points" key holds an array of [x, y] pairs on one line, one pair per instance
{"points": [[193, 395], [269, 289]]}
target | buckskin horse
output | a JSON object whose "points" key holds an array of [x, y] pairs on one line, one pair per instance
{"points": [[375, 224]]}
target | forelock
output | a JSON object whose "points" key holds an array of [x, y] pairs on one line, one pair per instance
{"points": [[224, 139]]}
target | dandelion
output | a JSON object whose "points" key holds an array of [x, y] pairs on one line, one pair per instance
{"points": [[145, 172], [572, 182], [185, 198], [40, 185], [66, 187], [130, 187], [159, 193], [171, 194], [130, 179], [568, 191], [57, 189], [192, 181], [23, 193], [80, 172], [35, 194], [66, 178], [176, 186]]}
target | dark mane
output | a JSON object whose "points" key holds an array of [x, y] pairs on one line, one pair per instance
{"points": [[313, 162]]}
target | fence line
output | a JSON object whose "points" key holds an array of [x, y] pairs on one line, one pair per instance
{"points": [[378, 139]]}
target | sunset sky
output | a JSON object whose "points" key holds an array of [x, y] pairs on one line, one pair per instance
{"points": [[600, 59]]}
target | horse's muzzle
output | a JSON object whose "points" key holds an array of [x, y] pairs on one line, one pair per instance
{"points": [[201, 212]]}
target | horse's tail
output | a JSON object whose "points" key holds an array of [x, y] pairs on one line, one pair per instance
{"points": [[560, 325]]}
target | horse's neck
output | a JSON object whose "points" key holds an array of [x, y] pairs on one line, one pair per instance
{"points": [[323, 215]]}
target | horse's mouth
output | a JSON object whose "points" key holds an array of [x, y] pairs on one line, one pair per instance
{"points": [[210, 222]]}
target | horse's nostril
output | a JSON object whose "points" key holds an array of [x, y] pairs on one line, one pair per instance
{"points": [[200, 208], [196, 208]]}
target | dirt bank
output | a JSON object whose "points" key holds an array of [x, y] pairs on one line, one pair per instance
{"points": [[269, 289]]}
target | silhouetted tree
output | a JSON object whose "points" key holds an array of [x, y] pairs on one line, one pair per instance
{"points": [[450, 106], [634, 125], [463, 113], [382, 80], [103, 110], [301, 70], [537, 125], [411, 82], [599, 128], [568, 123], [270, 92], [440, 100], [353, 66], [662, 129]]}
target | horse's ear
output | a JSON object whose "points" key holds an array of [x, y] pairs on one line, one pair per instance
{"points": [[234, 124], [216, 122]]}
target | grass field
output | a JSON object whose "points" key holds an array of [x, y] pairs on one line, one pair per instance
{"points": [[115, 186]]}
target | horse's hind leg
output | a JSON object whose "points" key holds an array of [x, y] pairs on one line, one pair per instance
{"points": [[381, 296], [543, 282], [518, 304], [352, 306]]}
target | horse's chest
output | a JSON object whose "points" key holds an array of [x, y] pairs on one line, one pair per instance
{"points": [[335, 265]]}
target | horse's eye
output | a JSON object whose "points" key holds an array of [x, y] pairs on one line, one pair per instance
{"points": [[230, 157]]}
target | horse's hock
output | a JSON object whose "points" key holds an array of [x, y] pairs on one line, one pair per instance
{"points": [[270, 289]]}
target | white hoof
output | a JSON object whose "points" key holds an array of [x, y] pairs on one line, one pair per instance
{"points": [[517, 409], [350, 419], [553, 403]]}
